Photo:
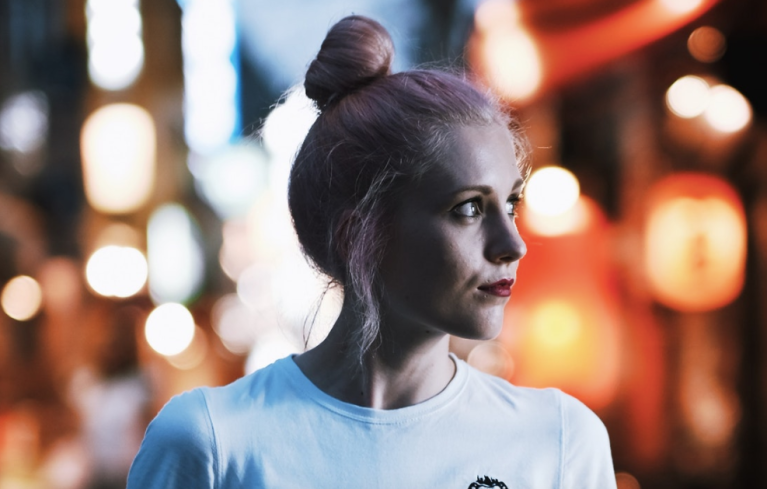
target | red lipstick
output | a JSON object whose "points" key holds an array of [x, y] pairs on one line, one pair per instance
{"points": [[501, 288]]}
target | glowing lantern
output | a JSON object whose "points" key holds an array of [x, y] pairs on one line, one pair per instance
{"points": [[695, 242]]}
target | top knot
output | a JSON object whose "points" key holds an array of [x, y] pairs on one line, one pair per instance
{"points": [[356, 51]]}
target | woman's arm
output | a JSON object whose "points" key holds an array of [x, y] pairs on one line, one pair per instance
{"points": [[179, 448]]}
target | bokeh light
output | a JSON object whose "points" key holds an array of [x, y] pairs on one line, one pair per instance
{"points": [[193, 355], [176, 256], [169, 329], [268, 350], [551, 191], [235, 324], [512, 63], [211, 101], [496, 14], [115, 47], [24, 122], [231, 180], [624, 480], [116, 271], [688, 96], [555, 324], [681, 6], [706, 44], [60, 279], [21, 298], [491, 357], [118, 150], [727, 111]]}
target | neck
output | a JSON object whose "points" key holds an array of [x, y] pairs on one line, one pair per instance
{"points": [[395, 374]]}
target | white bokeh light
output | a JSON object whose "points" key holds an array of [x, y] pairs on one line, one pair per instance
{"points": [[175, 252], [268, 350], [231, 180], [688, 96], [208, 42], [681, 6], [235, 324], [727, 111], [21, 298], [551, 191], [115, 47], [169, 329], [513, 63], [24, 122], [116, 271], [118, 144]]}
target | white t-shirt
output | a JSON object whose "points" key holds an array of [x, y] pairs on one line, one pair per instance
{"points": [[275, 429]]}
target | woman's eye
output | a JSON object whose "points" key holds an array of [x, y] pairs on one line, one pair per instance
{"points": [[512, 207], [467, 209]]}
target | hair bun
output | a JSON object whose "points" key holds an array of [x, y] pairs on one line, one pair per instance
{"points": [[356, 51]]}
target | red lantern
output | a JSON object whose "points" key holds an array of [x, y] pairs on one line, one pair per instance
{"points": [[694, 242]]}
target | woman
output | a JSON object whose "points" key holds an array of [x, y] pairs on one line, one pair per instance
{"points": [[404, 192]]}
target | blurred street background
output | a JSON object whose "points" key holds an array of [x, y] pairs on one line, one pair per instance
{"points": [[146, 247]]}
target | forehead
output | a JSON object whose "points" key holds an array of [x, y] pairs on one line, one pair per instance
{"points": [[478, 155]]}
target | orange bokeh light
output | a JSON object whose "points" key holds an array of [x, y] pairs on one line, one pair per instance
{"points": [[695, 242]]}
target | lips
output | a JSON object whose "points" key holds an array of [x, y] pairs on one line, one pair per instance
{"points": [[501, 288]]}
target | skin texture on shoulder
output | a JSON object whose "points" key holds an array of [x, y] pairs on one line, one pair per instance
{"points": [[452, 235]]}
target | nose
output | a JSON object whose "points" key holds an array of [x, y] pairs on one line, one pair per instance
{"points": [[503, 242]]}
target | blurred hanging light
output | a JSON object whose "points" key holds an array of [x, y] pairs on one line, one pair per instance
{"points": [[24, 122], [118, 150], [688, 96], [21, 298], [209, 42], [169, 329], [116, 271], [176, 258], [552, 190], [727, 111], [695, 242], [115, 47], [232, 179], [513, 63], [706, 44]]}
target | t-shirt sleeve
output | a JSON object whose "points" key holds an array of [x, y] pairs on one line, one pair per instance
{"points": [[587, 460], [179, 449]]}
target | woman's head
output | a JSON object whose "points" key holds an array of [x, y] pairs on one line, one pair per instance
{"points": [[377, 135]]}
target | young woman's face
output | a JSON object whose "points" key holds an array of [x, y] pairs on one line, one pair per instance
{"points": [[454, 247]]}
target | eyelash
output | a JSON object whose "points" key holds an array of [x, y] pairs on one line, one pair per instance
{"points": [[516, 202]]}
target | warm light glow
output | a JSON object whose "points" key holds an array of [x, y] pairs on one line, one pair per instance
{"points": [[169, 329], [21, 298], [728, 111], [270, 229], [118, 150], [681, 6], [574, 220], [194, 354], [116, 271], [115, 47], [235, 253], [24, 122], [695, 243], [706, 44], [688, 96], [555, 324], [496, 14], [551, 191], [492, 358], [208, 41], [624, 480], [176, 256], [61, 281], [512, 63], [231, 180]]}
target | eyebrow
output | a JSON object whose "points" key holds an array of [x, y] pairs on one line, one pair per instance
{"points": [[486, 189]]}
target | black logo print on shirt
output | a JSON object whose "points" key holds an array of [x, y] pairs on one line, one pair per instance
{"points": [[487, 482]]}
